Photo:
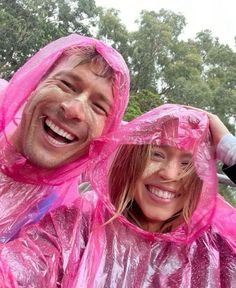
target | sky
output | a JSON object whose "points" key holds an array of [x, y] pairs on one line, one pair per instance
{"points": [[219, 16]]}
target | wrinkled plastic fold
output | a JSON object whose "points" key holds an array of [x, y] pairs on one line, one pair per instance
{"points": [[71, 246]]}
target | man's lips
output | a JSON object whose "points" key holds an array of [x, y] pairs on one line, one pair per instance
{"points": [[57, 134]]}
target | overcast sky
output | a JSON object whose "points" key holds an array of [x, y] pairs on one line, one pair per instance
{"points": [[219, 16]]}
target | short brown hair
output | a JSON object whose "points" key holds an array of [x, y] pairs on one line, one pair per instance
{"points": [[75, 56]]}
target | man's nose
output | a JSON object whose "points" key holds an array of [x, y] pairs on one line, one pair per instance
{"points": [[74, 109], [170, 171]]}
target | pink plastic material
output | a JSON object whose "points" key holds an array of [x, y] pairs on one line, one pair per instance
{"points": [[3, 85], [26, 191], [71, 247], [6, 278]]}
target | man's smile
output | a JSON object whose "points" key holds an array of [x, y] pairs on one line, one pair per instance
{"points": [[56, 134]]}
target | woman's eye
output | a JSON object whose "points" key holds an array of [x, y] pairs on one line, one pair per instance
{"points": [[185, 163], [157, 155]]}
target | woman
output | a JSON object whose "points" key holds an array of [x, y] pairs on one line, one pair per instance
{"points": [[148, 223]]}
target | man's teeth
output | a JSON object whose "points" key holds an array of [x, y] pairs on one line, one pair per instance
{"points": [[54, 141], [161, 193], [58, 130]]}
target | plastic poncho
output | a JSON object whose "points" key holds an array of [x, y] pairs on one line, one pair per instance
{"points": [[72, 247], [27, 192], [3, 86]]}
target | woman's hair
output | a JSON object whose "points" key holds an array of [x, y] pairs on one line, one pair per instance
{"points": [[128, 167]]}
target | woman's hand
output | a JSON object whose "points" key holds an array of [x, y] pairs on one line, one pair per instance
{"points": [[217, 127]]}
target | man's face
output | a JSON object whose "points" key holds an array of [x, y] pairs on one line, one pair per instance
{"points": [[63, 114]]}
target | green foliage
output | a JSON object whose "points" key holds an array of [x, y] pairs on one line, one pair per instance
{"points": [[152, 45], [142, 102], [111, 30], [133, 109], [229, 194], [219, 72], [27, 25]]}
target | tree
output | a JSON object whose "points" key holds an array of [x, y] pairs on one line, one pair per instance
{"points": [[152, 45], [142, 102], [199, 72], [27, 25], [219, 62], [111, 30]]}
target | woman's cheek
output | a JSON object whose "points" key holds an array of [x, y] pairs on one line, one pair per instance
{"points": [[151, 168]]}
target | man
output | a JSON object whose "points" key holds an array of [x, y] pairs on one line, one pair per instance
{"points": [[71, 92]]}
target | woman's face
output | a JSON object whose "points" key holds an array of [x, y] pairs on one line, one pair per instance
{"points": [[158, 191]]}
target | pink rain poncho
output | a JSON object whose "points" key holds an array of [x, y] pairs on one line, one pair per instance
{"points": [[71, 247], [3, 86], [27, 192]]}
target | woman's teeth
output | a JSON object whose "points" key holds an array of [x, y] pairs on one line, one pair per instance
{"points": [[161, 193]]}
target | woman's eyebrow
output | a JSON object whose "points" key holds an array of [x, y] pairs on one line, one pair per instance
{"points": [[187, 155]]}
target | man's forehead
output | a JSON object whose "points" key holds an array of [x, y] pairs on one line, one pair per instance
{"points": [[65, 62]]}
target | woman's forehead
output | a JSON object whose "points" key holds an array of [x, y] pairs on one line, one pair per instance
{"points": [[173, 150]]}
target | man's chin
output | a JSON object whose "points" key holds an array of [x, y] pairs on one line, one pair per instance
{"points": [[47, 163], [44, 161]]}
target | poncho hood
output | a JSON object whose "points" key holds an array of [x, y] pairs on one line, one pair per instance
{"points": [[26, 79], [189, 132]]}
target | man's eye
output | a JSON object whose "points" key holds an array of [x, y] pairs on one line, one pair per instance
{"points": [[100, 109], [68, 85]]}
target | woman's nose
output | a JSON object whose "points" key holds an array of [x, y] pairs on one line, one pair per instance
{"points": [[169, 171]]}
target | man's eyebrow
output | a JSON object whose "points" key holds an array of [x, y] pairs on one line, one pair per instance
{"points": [[74, 76]]}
